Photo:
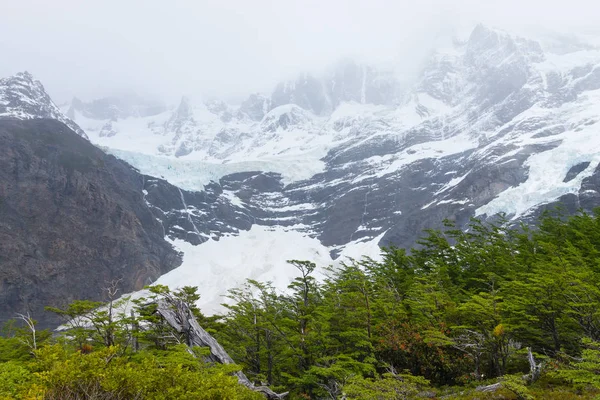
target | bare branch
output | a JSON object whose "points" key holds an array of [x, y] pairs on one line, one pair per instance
{"points": [[31, 325]]}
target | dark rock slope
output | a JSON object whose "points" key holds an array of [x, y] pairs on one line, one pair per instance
{"points": [[71, 219]]}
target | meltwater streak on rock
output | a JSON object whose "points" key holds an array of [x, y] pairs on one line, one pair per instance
{"points": [[187, 211]]}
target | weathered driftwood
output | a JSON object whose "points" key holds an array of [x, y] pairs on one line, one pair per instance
{"points": [[179, 316], [489, 388]]}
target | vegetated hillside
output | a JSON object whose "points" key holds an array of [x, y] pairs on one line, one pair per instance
{"points": [[494, 313], [461, 310], [71, 219]]}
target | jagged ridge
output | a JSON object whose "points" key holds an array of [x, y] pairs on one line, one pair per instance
{"points": [[23, 97]]}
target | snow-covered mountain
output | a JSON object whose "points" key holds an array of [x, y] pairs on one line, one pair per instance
{"points": [[23, 97], [332, 165]]}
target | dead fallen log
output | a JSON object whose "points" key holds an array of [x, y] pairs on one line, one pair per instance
{"points": [[489, 388], [179, 316]]}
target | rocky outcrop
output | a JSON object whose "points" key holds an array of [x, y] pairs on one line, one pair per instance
{"points": [[255, 107], [285, 118], [71, 219], [23, 97], [347, 81]]}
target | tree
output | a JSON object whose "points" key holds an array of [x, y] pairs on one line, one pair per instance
{"points": [[484, 334], [98, 323], [78, 317], [583, 372], [302, 302], [254, 332]]}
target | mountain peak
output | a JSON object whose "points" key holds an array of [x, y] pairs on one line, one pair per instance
{"points": [[285, 117], [255, 106], [484, 129], [184, 110], [24, 97], [482, 31], [25, 75], [493, 47]]}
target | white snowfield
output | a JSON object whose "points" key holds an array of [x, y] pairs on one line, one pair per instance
{"points": [[218, 148], [193, 175], [580, 142], [260, 254]]}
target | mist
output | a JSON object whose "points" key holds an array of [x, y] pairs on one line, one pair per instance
{"points": [[229, 48]]}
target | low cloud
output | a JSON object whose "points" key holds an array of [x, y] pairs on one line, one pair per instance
{"points": [[232, 47]]}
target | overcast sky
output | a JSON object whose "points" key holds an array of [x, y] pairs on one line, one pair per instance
{"points": [[92, 48]]}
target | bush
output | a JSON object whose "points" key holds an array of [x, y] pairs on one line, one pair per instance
{"points": [[173, 374], [389, 387], [14, 379]]}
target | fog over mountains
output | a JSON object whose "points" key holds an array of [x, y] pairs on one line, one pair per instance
{"points": [[325, 166]]}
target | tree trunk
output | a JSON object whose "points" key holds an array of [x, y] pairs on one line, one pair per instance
{"points": [[134, 330], [179, 316], [535, 369]]}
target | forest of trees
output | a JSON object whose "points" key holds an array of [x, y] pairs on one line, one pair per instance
{"points": [[487, 313]]}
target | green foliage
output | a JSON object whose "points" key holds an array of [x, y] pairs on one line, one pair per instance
{"points": [[82, 317], [95, 358], [583, 373], [173, 374], [16, 340], [253, 331], [14, 379], [456, 310], [13, 349], [454, 313], [516, 385], [388, 387]]}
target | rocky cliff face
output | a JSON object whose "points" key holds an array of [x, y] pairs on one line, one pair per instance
{"points": [[347, 81], [71, 219]]}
